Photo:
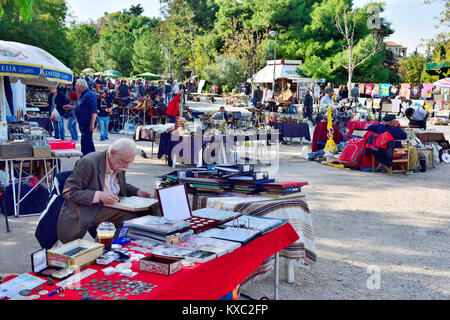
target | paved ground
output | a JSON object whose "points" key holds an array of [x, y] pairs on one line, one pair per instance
{"points": [[367, 227]]}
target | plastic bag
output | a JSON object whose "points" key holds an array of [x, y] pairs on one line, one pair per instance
{"points": [[55, 115]]}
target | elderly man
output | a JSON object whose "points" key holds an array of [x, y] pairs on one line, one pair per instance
{"points": [[86, 113], [97, 179], [391, 125], [327, 100]]}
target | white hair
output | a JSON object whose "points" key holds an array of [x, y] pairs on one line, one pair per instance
{"points": [[82, 83], [122, 143]]}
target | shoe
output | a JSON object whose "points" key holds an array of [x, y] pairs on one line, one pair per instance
{"points": [[106, 138], [413, 172], [102, 139]]}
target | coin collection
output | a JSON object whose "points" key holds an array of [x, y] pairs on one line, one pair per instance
{"points": [[118, 290]]}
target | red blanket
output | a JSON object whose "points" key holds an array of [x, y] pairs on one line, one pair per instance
{"points": [[203, 281]]}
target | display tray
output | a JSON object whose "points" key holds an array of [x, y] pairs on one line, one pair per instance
{"points": [[78, 253]]}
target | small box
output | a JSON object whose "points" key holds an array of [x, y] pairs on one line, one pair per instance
{"points": [[123, 237], [160, 264], [39, 264], [42, 151], [79, 253], [62, 144]]}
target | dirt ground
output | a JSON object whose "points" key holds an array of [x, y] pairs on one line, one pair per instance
{"points": [[377, 236]]}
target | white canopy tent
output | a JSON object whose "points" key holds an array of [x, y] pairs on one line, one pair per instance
{"points": [[284, 69], [31, 65]]}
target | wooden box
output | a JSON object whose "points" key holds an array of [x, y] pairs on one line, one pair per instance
{"points": [[42, 151], [16, 150], [160, 264], [79, 253]]}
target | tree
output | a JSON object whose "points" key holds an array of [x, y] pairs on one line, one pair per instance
{"points": [[225, 72], [147, 54], [25, 8], [136, 10], [411, 68], [346, 23], [245, 45], [82, 37], [45, 30]]}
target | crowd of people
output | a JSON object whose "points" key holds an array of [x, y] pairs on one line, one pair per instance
{"points": [[89, 103]]}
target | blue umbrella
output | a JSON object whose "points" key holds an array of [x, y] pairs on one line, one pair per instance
{"points": [[112, 73]]}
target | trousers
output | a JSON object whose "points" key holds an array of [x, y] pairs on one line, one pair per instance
{"points": [[87, 145]]}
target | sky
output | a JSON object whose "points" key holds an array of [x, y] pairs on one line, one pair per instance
{"points": [[412, 20]]}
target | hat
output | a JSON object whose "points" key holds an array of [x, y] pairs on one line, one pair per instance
{"points": [[388, 118], [102, 91]]}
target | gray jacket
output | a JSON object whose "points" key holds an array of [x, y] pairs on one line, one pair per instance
{"points": [[78, 211]]}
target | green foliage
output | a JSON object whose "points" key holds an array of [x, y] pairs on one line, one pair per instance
{"points": [[45, 29], [82, 37], [412, 67], [147, 54], [226, 71]]}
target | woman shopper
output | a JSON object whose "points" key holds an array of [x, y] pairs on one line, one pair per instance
{"points": [[72, 121]]}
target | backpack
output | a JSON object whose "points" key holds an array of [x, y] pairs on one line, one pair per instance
{"points": [[353, 152]]}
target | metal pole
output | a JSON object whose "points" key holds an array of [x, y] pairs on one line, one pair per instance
{"points": [[276, 282], [274, 64]]}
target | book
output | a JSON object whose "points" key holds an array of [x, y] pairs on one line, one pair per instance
{"points": [[285, 184], [160, 225], [281, 196], [132, 203]]}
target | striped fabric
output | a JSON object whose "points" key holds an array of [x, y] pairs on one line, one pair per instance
{"points": [[295, 210]]}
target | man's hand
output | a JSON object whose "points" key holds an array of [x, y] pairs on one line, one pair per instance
{"points": [[108, 197], [143, 194], [91, 128]]}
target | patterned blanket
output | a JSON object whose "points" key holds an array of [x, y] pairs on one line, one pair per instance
{"points": [[295, 210]]}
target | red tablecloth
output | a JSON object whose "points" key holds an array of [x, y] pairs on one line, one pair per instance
{"points": [[356, 125], [203, 281]]}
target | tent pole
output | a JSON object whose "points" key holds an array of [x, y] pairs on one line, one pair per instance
{"points": [[2, 99]]}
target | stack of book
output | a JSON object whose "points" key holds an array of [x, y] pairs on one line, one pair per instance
{"points": [[282, 190], [200, 185], [157, 228]]}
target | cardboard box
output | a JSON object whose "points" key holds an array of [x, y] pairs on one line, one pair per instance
{"points": [[16, 150], [79, 253], [42, 151], [160, 264]]}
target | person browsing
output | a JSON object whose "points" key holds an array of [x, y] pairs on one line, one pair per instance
{"points": [[97, 179]]}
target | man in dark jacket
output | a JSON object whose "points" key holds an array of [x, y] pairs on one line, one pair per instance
{"points": [[86, 112], [308, 106], [257, 95]]}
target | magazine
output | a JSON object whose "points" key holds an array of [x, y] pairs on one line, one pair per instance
{"points": [[218, 246]]}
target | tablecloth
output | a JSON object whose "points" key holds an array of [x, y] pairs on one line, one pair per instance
{"points": [[203, 281], [292, 130], [357, 125], [430, 136], [295, 210], [168, 141], [44, 123]]}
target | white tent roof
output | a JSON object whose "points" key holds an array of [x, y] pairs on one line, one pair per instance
{"points": [[283, 69]]}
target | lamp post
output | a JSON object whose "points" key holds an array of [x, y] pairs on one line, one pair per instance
{"points": [[274, 34]]}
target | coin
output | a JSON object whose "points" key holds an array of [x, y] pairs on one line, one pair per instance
{"points": [[34, 297], [25, 292], [43, 292], [61, 295]]}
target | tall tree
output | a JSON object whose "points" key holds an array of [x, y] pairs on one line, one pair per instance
{"points": [[45, 30], [147, 55], [82, 37]]}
